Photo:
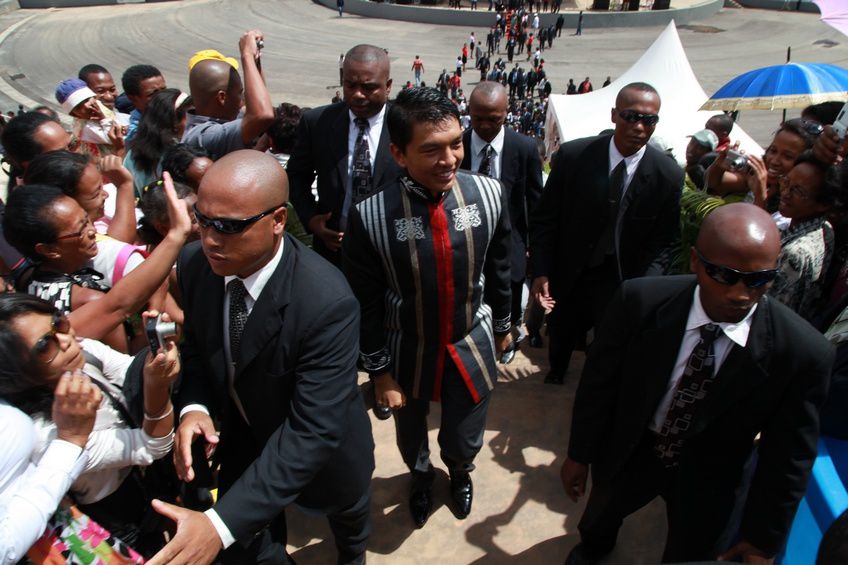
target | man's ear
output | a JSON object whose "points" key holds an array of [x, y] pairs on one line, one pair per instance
{"points": [[221, 98], [280, 218], [398, 155]]}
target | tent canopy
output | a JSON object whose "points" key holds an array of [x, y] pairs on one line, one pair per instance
{"points": [[665, 67]]}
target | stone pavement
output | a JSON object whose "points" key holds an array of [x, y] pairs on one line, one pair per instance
{"points": [[520, 513]]}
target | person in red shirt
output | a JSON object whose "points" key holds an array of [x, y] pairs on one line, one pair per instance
{"points": [[585, 87]]}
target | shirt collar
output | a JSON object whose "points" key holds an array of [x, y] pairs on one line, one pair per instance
{"points": [[375, 122], [737, 331], [630, 163], [478, 143], [256, 282]]}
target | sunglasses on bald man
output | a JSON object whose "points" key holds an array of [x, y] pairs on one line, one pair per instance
{"points": [[728, 276], [632, 116]]}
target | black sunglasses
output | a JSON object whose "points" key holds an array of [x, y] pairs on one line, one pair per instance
{"points": [[728, 276], [47, 348], [632, 116], [230, 225]]}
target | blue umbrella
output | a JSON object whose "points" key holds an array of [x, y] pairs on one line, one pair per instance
{"points": [[793, 85]]}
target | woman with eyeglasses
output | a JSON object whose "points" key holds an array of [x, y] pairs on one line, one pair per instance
{"points": [[53, 231], [761, 176], [134, 425], [81, 178], [808, 193]]}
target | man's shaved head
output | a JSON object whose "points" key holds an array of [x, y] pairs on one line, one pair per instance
{"points": [[741, 230], [241, 185], [207, 80], [741, 237], [487, 107]]}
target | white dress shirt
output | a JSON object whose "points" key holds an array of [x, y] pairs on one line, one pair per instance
{"points": [[732, 333], [113, 447], [30, 492], [631, 163], [477, 146], [254, 284]]}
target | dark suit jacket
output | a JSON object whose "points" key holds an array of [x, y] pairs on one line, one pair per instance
{"points": [[521, 175], [322, 149], [574, 210], [296, 380], [774, 386]]}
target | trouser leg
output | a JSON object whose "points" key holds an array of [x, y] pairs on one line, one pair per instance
{"points": [[463, 422], [351, 527], [639, 481], [411, 434]]}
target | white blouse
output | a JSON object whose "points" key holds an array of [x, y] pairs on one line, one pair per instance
{"points": [[113, 447]]}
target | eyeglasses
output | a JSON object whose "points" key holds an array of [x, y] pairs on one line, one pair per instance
{"points": [[230, 225], [86, 228], [632, 116], [47, 348], [728, 276]]}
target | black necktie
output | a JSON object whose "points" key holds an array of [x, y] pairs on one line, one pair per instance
{"points": [[486, 162], [694, 385], [238, 316], [361, 174]]}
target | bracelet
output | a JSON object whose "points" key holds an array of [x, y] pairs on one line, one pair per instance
{"points": [[161, 417]]}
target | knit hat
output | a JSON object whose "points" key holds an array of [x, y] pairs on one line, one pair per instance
{"points": [[71, 93], [211, 54]]}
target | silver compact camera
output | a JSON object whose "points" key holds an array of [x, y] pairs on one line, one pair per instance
{"points": [[157, 332], [736, 162], [840, 126]]}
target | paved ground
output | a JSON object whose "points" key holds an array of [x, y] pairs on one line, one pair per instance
{"points": [[520, 513]]}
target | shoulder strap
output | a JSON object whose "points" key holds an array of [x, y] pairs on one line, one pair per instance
{"points": [[121, 262]]}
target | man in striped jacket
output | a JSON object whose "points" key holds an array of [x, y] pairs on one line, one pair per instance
{"points": [[428, 258]]}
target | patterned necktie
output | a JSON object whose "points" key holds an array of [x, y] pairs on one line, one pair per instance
{"points": [[486, 162], [361, 174], [238, 316], [694, 385]]}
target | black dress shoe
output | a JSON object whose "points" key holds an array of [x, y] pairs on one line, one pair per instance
{"points": [[582, 555], [462, 493], [421, 497], [382, 412], [554, 378]]}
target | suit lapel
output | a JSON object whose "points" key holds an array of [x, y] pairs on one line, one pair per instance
{"points": [[213, 323], [509, 162], [383, 160], [665, 336], [640, 180], [266, 318], [466, 144], [338, 144]]}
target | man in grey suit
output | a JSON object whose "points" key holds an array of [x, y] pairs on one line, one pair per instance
{"points": [[609, 210]]}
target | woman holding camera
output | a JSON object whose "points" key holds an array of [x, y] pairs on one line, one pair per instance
{"points": [[134, 425], [761, 177]]}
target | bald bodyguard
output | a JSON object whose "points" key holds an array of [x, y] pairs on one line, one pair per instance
{"points": [[684, 374], [271, 339]]}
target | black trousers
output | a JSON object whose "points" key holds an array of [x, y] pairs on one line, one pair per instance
{"points": [[697, 513], [350, 525], [578, 311], [460, 431]]}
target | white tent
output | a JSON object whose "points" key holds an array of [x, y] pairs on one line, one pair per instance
{"points": [[665, 67]]}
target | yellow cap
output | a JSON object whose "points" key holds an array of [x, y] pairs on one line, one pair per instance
{"points": [[211, 54]]}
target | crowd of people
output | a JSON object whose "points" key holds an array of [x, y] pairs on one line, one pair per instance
{"points": [[194, 281]]}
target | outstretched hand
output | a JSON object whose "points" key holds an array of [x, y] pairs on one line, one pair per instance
{"points": [[196, 542]]}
